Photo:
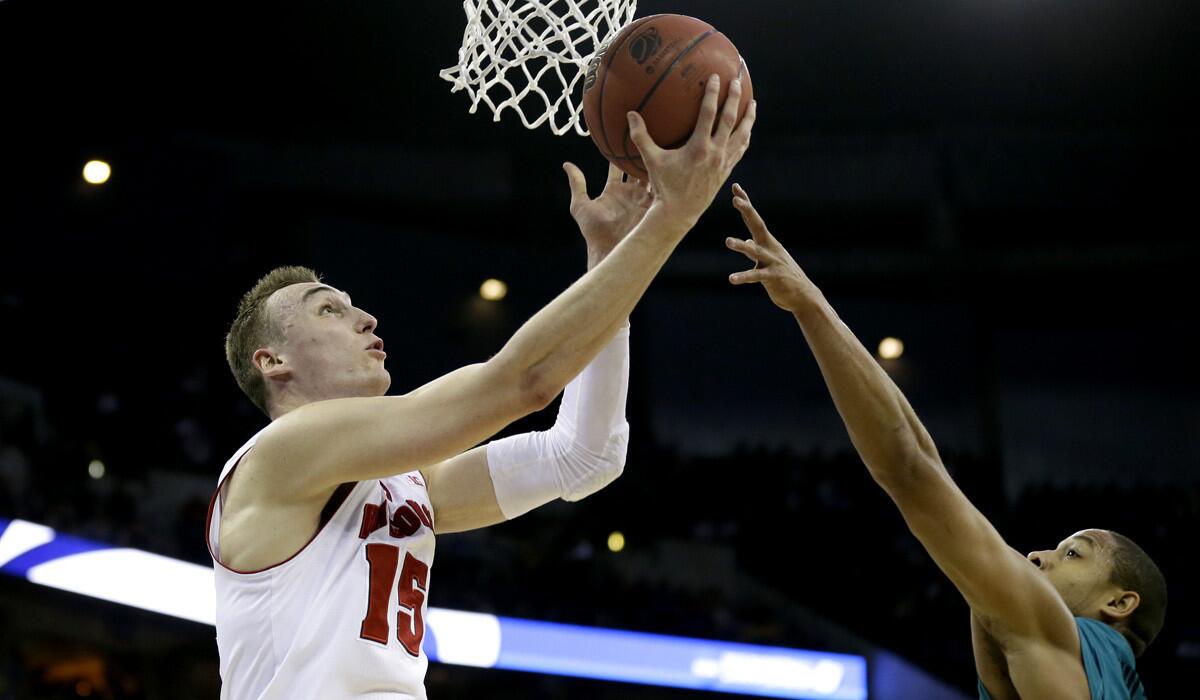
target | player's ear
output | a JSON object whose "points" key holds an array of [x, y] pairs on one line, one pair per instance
{"points": [[271, 364], [1121, 604]]}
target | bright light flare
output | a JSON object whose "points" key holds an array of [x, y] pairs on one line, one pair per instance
{"points": [[891, 348], [96, 172], [493, 290]]}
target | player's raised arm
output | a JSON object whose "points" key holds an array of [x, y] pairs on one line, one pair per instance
{"points": [[585, 449], [321, 444], [998, 583]]}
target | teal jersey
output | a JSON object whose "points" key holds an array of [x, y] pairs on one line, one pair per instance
{"points": [[1107, 661]]}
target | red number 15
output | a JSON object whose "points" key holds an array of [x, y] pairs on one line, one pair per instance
{"points": [[410, 592]]}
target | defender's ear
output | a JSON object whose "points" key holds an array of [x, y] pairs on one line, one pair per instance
{"points": [[1121, 604]]}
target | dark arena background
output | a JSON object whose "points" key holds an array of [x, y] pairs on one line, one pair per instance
{"points": [[1008, 188]]}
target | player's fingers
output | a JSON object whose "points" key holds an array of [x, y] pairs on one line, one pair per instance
{"points": [[578, 183], [615, 174], [708, 109], [729, 114], [741, 137], [641, 138], [645, 194], [749, 276]]}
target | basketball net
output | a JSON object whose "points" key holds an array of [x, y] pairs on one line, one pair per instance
{"points": [[529, 56]]}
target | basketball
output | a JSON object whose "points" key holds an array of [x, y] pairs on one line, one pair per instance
{"points": [[658, 66]]}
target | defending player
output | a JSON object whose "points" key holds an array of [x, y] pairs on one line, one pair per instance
{"points": [[1060, 624], [322, 525]]}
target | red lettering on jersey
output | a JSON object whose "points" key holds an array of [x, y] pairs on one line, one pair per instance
{"points": [[404, 522], [422, 512], [374, 517], [410, 590], [410, 594], [382, 559]]}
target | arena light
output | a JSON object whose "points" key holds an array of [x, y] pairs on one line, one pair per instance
{"points": [[96, 172], [493, 290], [18, 537], [679, 662], [180, 589], [891, 348]]}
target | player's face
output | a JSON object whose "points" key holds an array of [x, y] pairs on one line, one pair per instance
{"points": [[1079, 569], [328, 343]]}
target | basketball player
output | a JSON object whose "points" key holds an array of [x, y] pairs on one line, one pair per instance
{"points": [[1061, 624], [322, 525]]}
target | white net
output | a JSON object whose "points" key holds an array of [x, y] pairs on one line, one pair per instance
{"points": [[530, 55]]}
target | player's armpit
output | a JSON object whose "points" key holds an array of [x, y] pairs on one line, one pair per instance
{"points": [[462, 494], [1003, 588], [322, 444]]}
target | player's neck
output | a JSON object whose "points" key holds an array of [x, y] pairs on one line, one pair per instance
{"points": [[286, 404]]}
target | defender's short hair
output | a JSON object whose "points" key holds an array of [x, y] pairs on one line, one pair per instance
{"points": [[254, 328], [1134, 570]]}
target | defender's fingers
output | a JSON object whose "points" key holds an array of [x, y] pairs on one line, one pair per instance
{"points": [[577, 181], [747, 247], [749, 276], [708, 109], [729, 114], [750, 216]]}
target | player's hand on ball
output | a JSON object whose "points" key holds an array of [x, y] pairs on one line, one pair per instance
{"points": [[685, 180], [607, 219], [774, 268]]}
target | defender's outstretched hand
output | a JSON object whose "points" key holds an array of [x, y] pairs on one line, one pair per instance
{"points": [[607, 219], [774, 268], [685, 180]]}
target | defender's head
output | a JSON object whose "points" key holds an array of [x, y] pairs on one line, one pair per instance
{"points": [[296, 340], [1105, 576]]}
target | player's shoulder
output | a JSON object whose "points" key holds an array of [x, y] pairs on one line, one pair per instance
{"points": [[274, 447], [1109, 661], [263, 471], [1037, 622], [1104, 643], [1095, 632]]}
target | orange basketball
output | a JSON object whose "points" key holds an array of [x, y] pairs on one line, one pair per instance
{"points": [[658, 66]]}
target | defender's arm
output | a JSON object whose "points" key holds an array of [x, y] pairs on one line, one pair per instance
{"points": [[999, 584]]}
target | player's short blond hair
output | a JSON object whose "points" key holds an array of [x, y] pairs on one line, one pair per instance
{"points": [[254, 328]]}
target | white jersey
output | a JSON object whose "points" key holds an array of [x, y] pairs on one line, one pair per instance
{"points": [[344, 616]]}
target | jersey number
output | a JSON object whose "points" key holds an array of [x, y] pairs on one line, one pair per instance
{"points": [[410, 592]]}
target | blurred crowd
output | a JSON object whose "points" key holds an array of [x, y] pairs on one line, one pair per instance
{"points": [[760, 545]]}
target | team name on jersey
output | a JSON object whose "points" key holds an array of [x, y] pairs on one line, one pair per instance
{"points": [[402, 520]]}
